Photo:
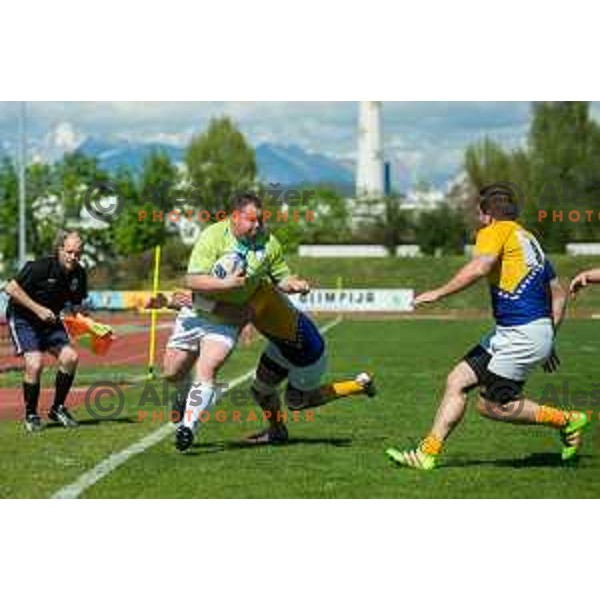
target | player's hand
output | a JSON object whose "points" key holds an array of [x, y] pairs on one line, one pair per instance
{"points": [[181, 299], [579, 282], [45, 315], [426, 298], [297, 286], [236, 280], [157, 302], [552, 363]]}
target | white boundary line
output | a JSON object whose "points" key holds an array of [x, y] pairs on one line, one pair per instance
{"points": [[114, 461]]}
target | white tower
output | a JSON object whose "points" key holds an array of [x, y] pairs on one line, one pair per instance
{"points": [[370, 169]]}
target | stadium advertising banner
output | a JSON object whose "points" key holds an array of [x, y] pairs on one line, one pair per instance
{"points": [[323, 300], [355, 300]]}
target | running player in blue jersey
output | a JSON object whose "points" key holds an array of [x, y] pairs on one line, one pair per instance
{"points": [[528, 304]]}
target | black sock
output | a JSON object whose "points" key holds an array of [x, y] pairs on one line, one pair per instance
{"points": [[62, 386], [31, 393]]}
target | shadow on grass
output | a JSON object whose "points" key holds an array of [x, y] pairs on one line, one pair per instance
{"points": [[92, 422], [540, 459], [209, 448]]}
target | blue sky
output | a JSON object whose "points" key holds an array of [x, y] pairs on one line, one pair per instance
{"points": [[423, 140]]}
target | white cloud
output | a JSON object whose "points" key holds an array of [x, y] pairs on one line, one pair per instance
{"points": [[426, 137]]}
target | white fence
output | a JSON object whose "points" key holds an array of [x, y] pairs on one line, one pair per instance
{"points": [[356, 251], [583, 249]]}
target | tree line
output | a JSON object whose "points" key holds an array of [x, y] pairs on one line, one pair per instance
{"points": [[555, 169]]}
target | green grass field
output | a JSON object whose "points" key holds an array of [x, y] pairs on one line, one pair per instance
{"points": [[341, 453]]}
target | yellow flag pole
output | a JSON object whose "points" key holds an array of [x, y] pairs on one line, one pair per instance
{"points": [[152, 348]]}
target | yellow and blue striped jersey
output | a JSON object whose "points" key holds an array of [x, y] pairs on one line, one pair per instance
{"points": [[295, 335], [520, 277]]}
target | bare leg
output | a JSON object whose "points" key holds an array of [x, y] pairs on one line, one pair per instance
{"points": [[203, 393], [452, 407], [178, 363], [527, 412], [449, 414], [521, 411], [177, 367]]}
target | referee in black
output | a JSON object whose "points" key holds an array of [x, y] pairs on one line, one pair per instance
{"points": [[38, 294]]}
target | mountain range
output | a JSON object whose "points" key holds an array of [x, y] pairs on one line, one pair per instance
{"points": [[284, 165], [277, 164]]}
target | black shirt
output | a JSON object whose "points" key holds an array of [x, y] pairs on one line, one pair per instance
{"points": [[48, 283]]}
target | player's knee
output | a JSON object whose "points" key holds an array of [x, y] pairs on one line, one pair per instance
{"points": [[455, 382], [500, 397], [171, 373], [68, 358], [33, 366]]}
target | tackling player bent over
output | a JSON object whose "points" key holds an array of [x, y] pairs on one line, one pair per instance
{"points": [[205, 333]]}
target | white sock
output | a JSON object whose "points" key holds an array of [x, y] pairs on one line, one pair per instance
{"points": [[200, 399]]}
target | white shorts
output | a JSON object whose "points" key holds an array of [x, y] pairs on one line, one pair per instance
{"points": [[302, 378], [191, 327], [519, 349]]}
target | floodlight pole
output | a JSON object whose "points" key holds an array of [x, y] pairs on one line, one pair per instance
{"points": [[22, 166]]}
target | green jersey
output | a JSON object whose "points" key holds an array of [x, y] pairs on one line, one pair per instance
{"points": [[263, 259]]}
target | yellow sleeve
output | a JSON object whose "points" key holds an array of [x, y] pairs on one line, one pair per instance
{"points": [[274, 314], [490, 241]]}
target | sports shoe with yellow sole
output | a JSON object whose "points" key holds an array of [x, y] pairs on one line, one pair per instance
{"points": [[572, 433], [414, 459]]}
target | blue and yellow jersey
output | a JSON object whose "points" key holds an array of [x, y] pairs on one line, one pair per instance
{"points": [[294, 334], [519, 280]]}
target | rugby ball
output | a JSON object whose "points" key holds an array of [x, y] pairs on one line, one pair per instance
{"points": [[228, 264]]}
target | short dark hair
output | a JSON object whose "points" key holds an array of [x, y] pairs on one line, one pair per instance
{"points": [[499, 201], [242, 199]]}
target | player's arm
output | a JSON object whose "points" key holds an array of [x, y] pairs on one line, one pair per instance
{"points": [[20, 296], [584, 279], [558, 298], [280, 272], [208, 284], [187, 299], [558, 302], [473, 271]]}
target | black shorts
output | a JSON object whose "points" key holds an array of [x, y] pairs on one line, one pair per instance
{"points": [[28, 336], [494, 388]]}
